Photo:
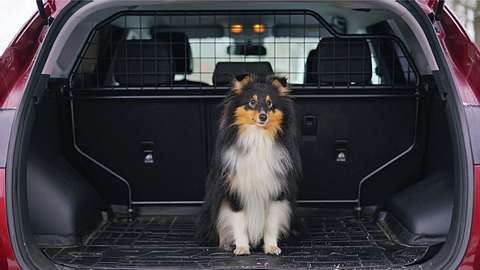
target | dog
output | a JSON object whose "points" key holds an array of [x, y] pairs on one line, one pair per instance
{"points": [[252, 183]]}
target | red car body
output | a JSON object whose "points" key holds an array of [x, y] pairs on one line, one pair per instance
{"points": [[461, 53]]}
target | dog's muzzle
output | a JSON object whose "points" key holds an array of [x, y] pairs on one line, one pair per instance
{"points": [[262, 119]]}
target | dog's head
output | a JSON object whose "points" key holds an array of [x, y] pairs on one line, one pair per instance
{"points": [[260, 103]]}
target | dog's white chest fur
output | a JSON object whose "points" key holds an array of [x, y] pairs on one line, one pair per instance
{"points": [[258, 166]]}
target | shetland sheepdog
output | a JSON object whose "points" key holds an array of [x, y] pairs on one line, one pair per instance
{"points": [[252, 182]]}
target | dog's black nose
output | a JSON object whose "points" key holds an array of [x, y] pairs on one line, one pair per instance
{"points": [[262, 117]]}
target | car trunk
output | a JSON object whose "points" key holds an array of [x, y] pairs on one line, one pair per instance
{"points": [[119, 153]]}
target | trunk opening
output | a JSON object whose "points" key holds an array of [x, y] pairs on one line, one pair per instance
{"points": [[116, 164]]}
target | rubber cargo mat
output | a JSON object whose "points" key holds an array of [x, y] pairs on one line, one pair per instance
{"points": [[334, 242]]}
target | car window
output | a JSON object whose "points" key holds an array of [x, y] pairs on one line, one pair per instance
{"points": [[285, 58], [183, 49], [13, 15]]}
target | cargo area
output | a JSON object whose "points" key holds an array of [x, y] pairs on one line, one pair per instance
{"points": [[337, 239], [119, 151]]}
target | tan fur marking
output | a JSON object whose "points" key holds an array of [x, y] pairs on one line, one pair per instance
{"points": [[275, 120], [282, 90], [244, 117], [238, 85]]}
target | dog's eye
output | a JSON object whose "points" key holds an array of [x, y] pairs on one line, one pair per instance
{"points": [[269, 104], [252, 103]]}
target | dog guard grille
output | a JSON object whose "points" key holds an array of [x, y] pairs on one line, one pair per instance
{"points": [[171, 50], [334, 242]]}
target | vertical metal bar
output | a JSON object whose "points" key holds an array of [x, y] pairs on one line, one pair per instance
{"points": [[382, 78], [394, 81], [229, 15], [111, 47], [364, 63], [305, 54], [258, 36], [289, 43], [187, 61], [127, 84], [334, 63], [156, 43], [141, 60], [317, 68], [171, 66], [99, 54], [274, 44], [94, 161], [349, 63], [200, 48]]}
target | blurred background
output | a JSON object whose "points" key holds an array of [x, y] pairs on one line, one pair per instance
{"points": [[468, 12]]}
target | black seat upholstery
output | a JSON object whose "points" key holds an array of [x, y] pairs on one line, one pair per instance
{"points": [[345, 61], [311, 68], [181, 50], [181, 55], [143, 63], [225, 72]]}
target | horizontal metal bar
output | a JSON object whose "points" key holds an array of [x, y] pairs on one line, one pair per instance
{"points": [[226, 88], [221, 97], [326, 201], [200, 202], [165, 202]]}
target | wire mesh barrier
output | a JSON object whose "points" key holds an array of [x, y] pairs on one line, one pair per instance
{"points": [[170, 50]]}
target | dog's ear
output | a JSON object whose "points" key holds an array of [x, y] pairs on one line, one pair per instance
{"points": [[280, 83], [240, 81]]}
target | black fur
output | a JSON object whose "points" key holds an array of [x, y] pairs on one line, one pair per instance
{"points": [[216, 185]]}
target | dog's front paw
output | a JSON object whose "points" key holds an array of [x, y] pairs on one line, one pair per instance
{"points": [[272, 249], [242, 250]]}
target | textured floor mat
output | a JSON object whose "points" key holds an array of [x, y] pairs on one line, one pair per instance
{"points": [[333, 243]]}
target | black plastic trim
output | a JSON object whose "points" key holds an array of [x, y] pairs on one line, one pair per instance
{"points": [[452, 253], [26, 252], [41, 11]]}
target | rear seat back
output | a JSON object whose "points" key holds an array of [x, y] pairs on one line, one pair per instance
{"points": [[139, 63], [225, 72], [179, 46], [368, 130], [345, 61], [120, 133]]}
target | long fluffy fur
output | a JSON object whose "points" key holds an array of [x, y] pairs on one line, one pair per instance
{"points": [[232, 151]]}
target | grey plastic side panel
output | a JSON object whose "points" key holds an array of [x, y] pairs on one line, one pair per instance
{"points": [[6, 120], [473, 118]]}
